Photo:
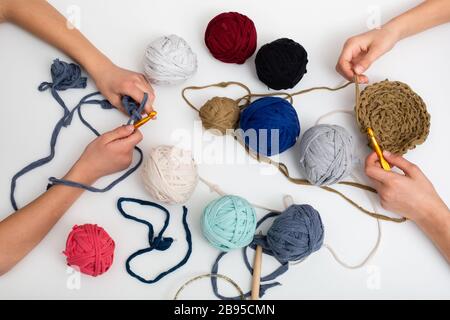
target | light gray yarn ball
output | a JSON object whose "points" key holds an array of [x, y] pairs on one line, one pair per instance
{"points": [[326, 154], [169, 60]]}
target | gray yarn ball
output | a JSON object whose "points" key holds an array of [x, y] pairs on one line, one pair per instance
{"points": [[326, 154], [169, 60]]}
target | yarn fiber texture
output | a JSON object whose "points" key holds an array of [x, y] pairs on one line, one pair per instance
{"points": [[281, 64], [275, 123], [229, 222], [169, 60], [90, 248], [231, 37], [295, 234], [220, 113], [170, 174], [397, 115], [326, 154]]}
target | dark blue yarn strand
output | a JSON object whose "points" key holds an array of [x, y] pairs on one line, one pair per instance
{"points": [[159, 242], [68, 76], [272, 276]]}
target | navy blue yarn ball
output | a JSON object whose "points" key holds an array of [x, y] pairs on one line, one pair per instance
{"points": [[296, 233], [263, 116]]}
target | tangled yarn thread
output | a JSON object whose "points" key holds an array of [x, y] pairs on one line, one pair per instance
{"points": [[397, 115], [170, 174], [295, 234], [231, 37], [67, 76], [259, 155], [158, 242], [281, 64], [90, 248], [229, 222], [326, 154], [169, 60]]}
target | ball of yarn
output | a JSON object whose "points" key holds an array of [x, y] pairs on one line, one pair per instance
{"points": [[231, 37], [270, 125], [281, 64], [220, 113], [169, 60], [229, 222], [295, 233], [397, 115], [170, 174], [326, 154], [90, 248]]}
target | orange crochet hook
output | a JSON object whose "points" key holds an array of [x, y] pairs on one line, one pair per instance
{"points": [[376, 147], [143, 121]]}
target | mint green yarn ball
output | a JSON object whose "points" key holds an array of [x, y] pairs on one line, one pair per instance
{"points": [[229, 222]]}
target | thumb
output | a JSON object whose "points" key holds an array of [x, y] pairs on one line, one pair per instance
{"points": [[372, 54], [409, 168], [119, 133]]}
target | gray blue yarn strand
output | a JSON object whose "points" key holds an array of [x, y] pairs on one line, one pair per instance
{"points": [[68, 76]]}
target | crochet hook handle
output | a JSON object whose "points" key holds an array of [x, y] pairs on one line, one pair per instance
{"points": [[376, 147]]}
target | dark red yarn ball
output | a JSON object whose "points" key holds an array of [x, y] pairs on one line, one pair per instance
{"points": [[231, 37]]}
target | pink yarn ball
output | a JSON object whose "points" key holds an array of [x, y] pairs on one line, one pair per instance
{"points": [[90, 248]]}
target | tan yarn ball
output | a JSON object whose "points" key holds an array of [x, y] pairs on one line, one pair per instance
{"points": [[220, 113], [170, 174], [397, 115]]}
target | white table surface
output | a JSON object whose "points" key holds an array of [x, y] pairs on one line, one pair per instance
{"points": [[407, 264]]}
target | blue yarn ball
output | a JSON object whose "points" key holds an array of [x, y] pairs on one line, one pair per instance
{"points": [[265, 115], [295, 233], [229, 222]]}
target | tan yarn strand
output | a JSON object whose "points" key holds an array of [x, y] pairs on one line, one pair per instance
{"points": [[210, 275], [285, 171], [217, 85]]}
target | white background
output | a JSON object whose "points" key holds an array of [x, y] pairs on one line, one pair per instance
{"points": [[407, 264]]}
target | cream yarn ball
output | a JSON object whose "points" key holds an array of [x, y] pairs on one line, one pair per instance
{"points": [[169, 60], [170, 174]]}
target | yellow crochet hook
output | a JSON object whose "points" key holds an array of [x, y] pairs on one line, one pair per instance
{"points": [[143, 121], [376, 147]]}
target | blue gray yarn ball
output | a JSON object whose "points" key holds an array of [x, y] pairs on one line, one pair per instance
{"points": [[326, 154], [295, 233]]}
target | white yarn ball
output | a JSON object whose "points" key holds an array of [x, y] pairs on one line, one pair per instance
{"points": [[170, 174], [169, 60]]}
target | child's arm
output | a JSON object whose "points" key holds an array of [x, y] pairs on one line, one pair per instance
{"points": [[361, 51], [24, 229], [41, 19], [412, 195]]}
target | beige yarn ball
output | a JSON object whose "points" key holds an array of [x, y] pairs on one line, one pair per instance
{"points": [[220, 113], [170, 174]]}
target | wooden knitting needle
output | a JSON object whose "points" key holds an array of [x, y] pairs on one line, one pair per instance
{"points": [[376, 147], [143, 121], [256, 272]]}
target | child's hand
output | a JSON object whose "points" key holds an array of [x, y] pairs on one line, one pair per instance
{"points": [[361, 51], [410, 194], [109, 153], [114, 82]]}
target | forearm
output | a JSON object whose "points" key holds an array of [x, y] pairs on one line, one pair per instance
{"points": [[44, 21], [435, 222], [428, 14], [24, 229]]}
